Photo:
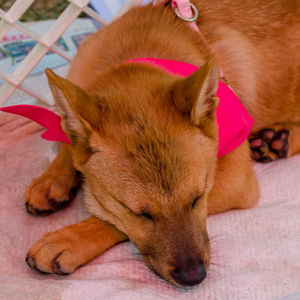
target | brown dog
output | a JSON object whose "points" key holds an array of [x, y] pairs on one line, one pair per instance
{"points": [[145, 140]]}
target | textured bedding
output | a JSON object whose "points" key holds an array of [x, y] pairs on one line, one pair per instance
{"points": [[255, 252]]}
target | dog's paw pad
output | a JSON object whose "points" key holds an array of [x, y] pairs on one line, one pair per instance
{"points": [[257, 143], [269, 145], [258, 147], [267, 134], [279, 145]]}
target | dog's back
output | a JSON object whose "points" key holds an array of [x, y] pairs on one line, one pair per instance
{"points": [[256, 43]]}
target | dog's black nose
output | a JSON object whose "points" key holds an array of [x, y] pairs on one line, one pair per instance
{"points": [[192, 275]]}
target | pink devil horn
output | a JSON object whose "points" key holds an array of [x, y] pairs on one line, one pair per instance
{"points": [[43, 117]]}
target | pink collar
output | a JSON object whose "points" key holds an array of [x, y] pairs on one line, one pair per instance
{"points": [[186, 11], [234, 122]]}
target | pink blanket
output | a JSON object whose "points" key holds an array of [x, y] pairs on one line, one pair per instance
{"points": [[256, 252]]}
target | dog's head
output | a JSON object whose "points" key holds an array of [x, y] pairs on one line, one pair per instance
{"points": [[146, 142]]}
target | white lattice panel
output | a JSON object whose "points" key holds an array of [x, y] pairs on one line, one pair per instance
{"points": [[45, 43]]}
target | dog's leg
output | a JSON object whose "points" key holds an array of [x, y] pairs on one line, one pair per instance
{"points": [[63, 251], [55, 188], [278, 141], [235, 183]]}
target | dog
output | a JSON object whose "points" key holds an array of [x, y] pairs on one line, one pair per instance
{"points": [[145, 141]]}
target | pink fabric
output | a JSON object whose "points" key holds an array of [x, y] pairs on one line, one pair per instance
{"points": [[255, 252], [234, 122]]}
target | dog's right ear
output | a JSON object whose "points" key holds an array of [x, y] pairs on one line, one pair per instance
{"points": [[79, 111], [195, 96]]}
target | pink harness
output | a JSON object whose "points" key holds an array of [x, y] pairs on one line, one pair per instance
{"points": [[234, 122]]}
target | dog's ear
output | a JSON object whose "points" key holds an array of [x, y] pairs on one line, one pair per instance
{"points": [[196, 96], [77, 109]]}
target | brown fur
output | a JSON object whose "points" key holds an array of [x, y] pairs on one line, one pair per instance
{"points": [[146, 140]]}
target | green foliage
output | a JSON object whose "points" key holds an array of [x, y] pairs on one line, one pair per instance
{"points": [[40, 9]]}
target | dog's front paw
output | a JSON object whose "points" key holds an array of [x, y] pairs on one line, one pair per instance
{"points": [[269, 145], [54, 253], [52, 191], [63, 251]]}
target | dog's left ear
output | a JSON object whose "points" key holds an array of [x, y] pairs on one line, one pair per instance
{"points": [[79, 111], [196, 96]]}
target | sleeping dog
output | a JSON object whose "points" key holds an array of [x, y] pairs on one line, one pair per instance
{"points": [[145, 140]]}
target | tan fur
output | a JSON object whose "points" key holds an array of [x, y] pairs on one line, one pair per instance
{"points": [[146, 140], [97, 235]]}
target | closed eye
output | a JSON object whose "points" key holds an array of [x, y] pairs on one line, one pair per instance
{"points": [[196, 200], [146, 215]]}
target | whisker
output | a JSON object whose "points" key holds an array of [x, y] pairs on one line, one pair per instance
{"points": [[132, 256], [217, 263], [220, 237]]}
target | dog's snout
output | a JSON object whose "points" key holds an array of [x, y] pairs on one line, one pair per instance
{"points": [[190, 274]]}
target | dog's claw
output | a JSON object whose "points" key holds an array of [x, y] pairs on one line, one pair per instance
{"points": [[37, 212], [58, 205], [57, 269], [264, 159], [30, 261]]}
